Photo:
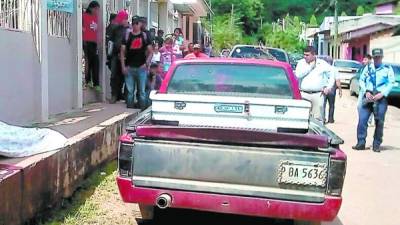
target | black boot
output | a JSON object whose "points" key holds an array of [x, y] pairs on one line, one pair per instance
{"points": [[358, 147], [376, 149]]}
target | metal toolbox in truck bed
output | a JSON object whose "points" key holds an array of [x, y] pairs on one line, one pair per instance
{"points": [[231, 111]]}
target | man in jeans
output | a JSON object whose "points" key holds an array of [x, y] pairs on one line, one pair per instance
{"points": [[135, 60], [331, 96], [376, 85], [116, 37]]}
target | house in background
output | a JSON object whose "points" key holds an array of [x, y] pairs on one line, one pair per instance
{"points": [[324, 36], [386, 8], [167, 15], [360, 35], [357, 35]]}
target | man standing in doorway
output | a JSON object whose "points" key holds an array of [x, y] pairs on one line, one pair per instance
{"points": [[376, 85], [316, 79], [135, 61], [89, 36]]}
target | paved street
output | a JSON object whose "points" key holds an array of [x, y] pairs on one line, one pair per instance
{"points": [[371, 190]]}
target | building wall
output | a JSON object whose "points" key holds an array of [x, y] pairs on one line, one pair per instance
{"points": [[390, 45], [62, 72], [154, 15], [384, 9], [19, 78], [356, 48]]}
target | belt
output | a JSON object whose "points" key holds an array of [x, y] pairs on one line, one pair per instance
{"points": [[311, 92]]}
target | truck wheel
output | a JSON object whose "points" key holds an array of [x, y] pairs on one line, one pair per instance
{"points": [[147, 211], [302, 222]]}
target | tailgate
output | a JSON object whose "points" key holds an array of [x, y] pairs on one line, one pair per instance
{"points": [[231, 111], [229, 169]]}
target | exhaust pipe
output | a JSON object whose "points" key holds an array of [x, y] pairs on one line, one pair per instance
{"points": [[163, 201]]}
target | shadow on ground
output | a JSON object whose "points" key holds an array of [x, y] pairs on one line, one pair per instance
{"points": [[184, 217]]}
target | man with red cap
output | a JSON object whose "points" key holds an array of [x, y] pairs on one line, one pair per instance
{"points": [[117, 34]]}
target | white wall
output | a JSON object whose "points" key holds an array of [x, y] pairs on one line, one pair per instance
{"points": [[62, 72], [390, 46], [19, 78]]}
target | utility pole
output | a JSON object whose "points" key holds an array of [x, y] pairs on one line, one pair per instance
{"points": [[232, 16], [335, 41]]}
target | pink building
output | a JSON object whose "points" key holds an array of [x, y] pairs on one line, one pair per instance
{"points": [[386, 8], [356, 34]]}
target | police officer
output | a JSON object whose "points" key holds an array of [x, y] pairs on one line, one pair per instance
{"points": [[376, 84]]}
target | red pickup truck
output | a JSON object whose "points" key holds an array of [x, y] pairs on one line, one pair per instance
{"points": [[232, 136]]}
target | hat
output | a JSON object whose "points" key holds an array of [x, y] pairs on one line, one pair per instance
{"points": [[196, 46], [135, 19], [143, 19], [377, 52], [122, 15]]}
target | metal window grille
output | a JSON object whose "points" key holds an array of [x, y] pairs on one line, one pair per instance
{"points": [[111, 8], [16, 14], [132, 8], [59, 24]]}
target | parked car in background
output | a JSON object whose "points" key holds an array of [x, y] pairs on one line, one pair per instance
{"points": [[347, 69], [294, 58], [232, 136], [279, 54], [250, 51], [395, 93]]}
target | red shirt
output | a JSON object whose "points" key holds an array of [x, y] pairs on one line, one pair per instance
{"points": [[194, 56], [89, 30]]}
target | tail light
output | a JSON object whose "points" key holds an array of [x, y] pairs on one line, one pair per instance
{"points": [[125, 159], [337, 172]]}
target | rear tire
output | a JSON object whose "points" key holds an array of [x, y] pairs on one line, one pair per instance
{"points": [[147, 211], [352, 92], [302, 222]]}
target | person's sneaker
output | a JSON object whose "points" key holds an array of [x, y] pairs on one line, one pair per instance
{"points": [[358, 147], [376, 149], [98, 88], [90, 84], [331, 121]]}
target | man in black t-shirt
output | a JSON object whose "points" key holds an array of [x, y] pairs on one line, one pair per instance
{"points": [[135, 60]]}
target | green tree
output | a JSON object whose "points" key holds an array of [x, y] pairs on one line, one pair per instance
{"points": [[227, 31], [288, 39], [343, 14], [247, 11], [397, 10], [360, 11], [313, 21], [296, 21]]}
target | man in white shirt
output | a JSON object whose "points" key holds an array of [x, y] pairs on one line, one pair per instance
{"points": [[315, 80]]}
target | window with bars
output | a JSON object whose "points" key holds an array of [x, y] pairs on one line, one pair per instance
{"points": [[16, 14], [58, 24]]}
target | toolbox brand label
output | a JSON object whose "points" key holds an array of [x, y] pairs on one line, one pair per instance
{"points": [[228, 108]]}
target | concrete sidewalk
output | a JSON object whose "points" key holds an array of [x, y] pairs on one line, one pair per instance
{"points": [[31, 185]]}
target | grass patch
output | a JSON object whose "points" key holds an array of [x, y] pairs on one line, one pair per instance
{"points": [[85, 206]]}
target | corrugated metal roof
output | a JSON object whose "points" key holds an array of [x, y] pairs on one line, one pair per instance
{"points": [[367, 21]]}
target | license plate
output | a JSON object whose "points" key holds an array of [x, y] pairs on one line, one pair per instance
{"points": [[302, 173]]}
